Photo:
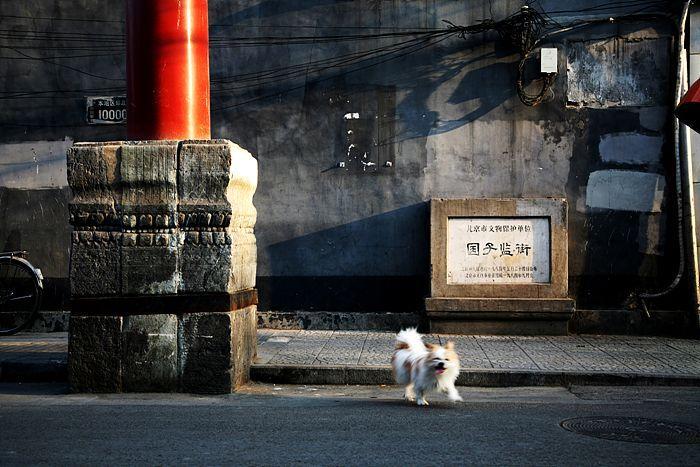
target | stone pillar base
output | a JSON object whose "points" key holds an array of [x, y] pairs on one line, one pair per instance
{"points": [[163, 262], [499, 316], [198, 351]]}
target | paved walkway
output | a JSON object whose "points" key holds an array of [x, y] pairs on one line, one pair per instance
{"points": [[34, 357], [34, 347], [356, 357], [485, 360]]}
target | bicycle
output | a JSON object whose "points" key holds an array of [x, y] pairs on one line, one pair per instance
{"points": [[21, 287]]}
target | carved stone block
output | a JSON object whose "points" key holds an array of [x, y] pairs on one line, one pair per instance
{"points": [[149, 263], [95, 263], [205, 173], [184, 215], [217, 182], [205, 262], [149, 185], [92, 176]]}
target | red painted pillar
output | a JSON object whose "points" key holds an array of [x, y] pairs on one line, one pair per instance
{"points": [[688, 110], [167, 69]]}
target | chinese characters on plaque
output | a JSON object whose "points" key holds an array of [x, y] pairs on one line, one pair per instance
{"points": [[492, 250]]}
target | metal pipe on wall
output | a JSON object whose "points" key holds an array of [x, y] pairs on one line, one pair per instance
{"points": [[167, 69], [680, 219]]}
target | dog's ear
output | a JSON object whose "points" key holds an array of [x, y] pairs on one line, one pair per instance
{"points": [[450, 345], [430, 347]]}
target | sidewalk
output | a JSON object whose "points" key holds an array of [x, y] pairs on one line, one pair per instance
{"points": [[34, 357], [359, 357], [354, 357]]}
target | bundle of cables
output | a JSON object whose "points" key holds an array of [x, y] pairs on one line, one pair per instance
{"points": [[523, 31]]}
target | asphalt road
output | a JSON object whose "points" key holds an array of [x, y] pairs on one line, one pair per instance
{"points": [[334, 425]]}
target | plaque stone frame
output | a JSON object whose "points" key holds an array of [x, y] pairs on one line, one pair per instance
{"points": [[499, 308]]}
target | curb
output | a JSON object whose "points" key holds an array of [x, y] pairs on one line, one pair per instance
{"points": [[364, 375], [31, 372], [57, 372]]}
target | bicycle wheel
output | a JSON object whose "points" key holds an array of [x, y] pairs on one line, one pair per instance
{"points": [[20, 295]]}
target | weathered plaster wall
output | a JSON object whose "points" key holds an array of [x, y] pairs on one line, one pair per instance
{"points": [[447, 118]]}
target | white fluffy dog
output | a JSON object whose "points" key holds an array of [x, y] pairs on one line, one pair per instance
{"points": [[424, 367]]}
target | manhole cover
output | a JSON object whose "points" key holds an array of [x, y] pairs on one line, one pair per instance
{"points": [[634, 430]]}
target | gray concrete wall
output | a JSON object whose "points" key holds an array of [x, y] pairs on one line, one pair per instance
{"points": [[447, 117]]}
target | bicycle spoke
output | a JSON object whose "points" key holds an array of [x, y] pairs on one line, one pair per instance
{"points": [[20, 295], [23, 297]]}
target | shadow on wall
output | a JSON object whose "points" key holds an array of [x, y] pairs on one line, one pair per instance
{"points": [[379, 263], [482, 87]]}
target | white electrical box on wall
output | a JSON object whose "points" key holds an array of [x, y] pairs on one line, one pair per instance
{"points": [[548, 60]]}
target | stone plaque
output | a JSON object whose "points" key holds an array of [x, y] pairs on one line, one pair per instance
{"points": [[499, 266], [498, 250]]}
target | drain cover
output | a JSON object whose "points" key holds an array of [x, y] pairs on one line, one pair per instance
{"points": [[634, 430]]}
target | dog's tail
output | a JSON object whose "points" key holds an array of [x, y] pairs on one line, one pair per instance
{"points": [[410, 339]]}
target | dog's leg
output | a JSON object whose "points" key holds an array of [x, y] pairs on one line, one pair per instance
{"points": [[453, 395], [420, 399], [409, 394]]}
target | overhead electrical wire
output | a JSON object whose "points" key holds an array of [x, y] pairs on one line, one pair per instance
{"points": [[305, 65], [213, 25], [393, 57], [68, 67], [326, 64], [524, 30], [54, 18], [28, 94], [294, 40], [55, 57]]}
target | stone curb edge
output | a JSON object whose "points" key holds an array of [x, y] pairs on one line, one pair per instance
{"points": [[12, 372], [363, 375]]}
